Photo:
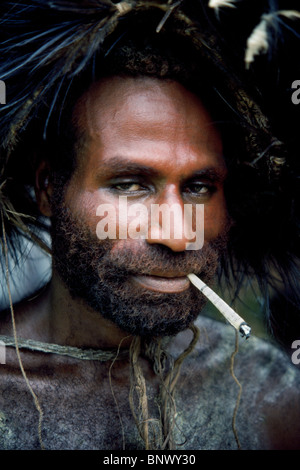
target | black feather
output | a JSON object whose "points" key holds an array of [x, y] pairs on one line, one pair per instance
{"points": [[47, 45]]}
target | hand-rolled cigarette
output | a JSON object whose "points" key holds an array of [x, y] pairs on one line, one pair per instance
{"points": [[234, 319]]}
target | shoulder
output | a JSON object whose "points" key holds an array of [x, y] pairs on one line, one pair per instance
{"points": [[258, 377], [29, 314]]}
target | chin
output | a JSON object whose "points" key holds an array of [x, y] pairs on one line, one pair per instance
{"points": [[163, 316]]}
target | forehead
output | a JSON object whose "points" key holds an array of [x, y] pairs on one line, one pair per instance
{"points": [[146, 119]]}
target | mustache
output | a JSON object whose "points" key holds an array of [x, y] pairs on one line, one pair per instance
{"points": [[147, 259]]}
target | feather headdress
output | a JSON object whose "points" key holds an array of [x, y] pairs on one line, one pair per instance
{"points": [[47, 44], [259, 41]]}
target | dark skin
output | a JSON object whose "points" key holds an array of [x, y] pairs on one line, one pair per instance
{"points": [[144, 122]]}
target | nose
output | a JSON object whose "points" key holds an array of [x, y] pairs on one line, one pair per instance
{"points": [[168, 225]]}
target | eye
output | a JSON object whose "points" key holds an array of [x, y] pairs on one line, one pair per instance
{"points": [[199, 189], [128, 187]]}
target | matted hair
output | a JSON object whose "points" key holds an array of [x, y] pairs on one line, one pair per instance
{"points": [[52, 51]]}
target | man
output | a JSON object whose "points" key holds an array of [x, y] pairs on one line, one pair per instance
{"points": [[114, 358]]}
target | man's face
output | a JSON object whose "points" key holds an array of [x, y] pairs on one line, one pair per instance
{"points": [[153, 143]]}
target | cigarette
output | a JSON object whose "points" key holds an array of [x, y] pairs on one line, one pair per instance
{"points": [[231, 316]]}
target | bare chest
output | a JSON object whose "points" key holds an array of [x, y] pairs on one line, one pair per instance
{"points": [[85, 407]]}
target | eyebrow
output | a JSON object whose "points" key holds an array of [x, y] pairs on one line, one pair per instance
{"points": [[214, 174], [118, 166]]}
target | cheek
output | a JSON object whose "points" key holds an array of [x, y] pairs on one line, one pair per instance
{"points": [[215, 218], [83, 205], [104, 218]]}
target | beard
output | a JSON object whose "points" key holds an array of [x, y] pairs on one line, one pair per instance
{"points": [[100, 275]]}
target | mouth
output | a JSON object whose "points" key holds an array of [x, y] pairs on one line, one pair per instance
{"points": [[165, 283]]}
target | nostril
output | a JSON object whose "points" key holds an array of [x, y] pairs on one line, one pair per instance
{"points": [[172, 225]]}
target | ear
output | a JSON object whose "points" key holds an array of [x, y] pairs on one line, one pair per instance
{"points": [[43, 188]]}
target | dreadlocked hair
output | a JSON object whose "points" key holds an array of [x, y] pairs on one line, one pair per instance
{"points": [[157, 432], [53, 50]]}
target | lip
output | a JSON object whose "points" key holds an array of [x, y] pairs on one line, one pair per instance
{"points": [[167, 283]]}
